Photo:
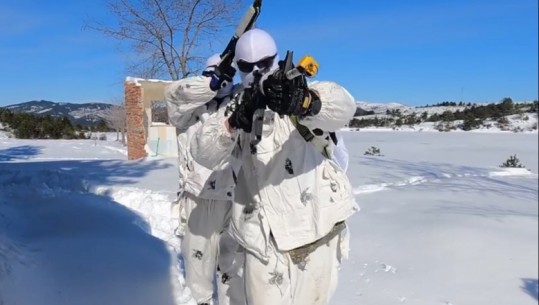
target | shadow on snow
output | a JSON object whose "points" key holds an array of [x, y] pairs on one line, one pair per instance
{"points": [[72, 174], [19, 152], [70, 246], [531, 287]]}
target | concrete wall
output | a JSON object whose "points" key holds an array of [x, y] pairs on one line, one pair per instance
{"points": [[162, 141]]}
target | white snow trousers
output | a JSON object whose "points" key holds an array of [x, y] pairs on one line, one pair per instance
{"points": [[281, 281], [207, 249]]}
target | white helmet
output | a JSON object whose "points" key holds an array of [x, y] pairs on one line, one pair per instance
{"points": [[256, 52], [211, 63]]}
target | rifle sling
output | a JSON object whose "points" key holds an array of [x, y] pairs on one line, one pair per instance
{"points": [[323, 146]]}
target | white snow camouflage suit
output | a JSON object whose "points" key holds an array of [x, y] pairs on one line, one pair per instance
{"points": [[204, 199], [290, 201]]}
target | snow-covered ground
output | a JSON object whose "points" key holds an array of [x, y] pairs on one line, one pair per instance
{"points": [[440, 222]]}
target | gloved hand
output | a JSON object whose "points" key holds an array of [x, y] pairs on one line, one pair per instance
{"points": [[242, 116], [286, 97], [220, 76]]}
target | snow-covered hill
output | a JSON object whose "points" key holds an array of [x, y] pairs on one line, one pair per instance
{"points": [[382, 108], [83, 114], [399, 117], [527, 123]]}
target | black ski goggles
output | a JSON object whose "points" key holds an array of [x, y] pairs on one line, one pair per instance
{"points": [[264, 63], [209, 73]]}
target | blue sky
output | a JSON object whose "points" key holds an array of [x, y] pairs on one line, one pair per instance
{"points": [[414, 52]]}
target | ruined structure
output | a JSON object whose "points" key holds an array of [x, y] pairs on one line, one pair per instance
{"points": [[144, 137]]}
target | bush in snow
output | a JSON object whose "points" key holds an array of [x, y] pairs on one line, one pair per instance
{"points": [[503, 123], [471, 123], [445, 126], [373, 151], [102, 137], [512, 161]]}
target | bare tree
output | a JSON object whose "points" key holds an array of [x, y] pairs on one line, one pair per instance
{"points": [[115, 118], [169, 37]]}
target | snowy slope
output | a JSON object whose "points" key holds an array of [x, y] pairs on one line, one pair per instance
{"points": [[440, 223]]}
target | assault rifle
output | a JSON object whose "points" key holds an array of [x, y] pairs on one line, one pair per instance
{"points": [[297, 76], [225, 68]]}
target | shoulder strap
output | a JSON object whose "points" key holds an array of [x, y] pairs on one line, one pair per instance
{"points": [[321, 145], [333, 136], [303, 130]]}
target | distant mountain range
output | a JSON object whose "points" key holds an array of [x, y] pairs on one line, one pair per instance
{"points": [[84, 114], [90, 113]]}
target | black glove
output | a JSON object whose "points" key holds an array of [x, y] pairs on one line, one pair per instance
{"points": [[242, 116], [220, 76], [285, 96]]}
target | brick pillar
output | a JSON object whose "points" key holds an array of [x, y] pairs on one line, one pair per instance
{"points": [[136, 137]]}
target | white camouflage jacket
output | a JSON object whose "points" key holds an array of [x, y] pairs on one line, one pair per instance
{"points": [[190, 103], [287, 187]]}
